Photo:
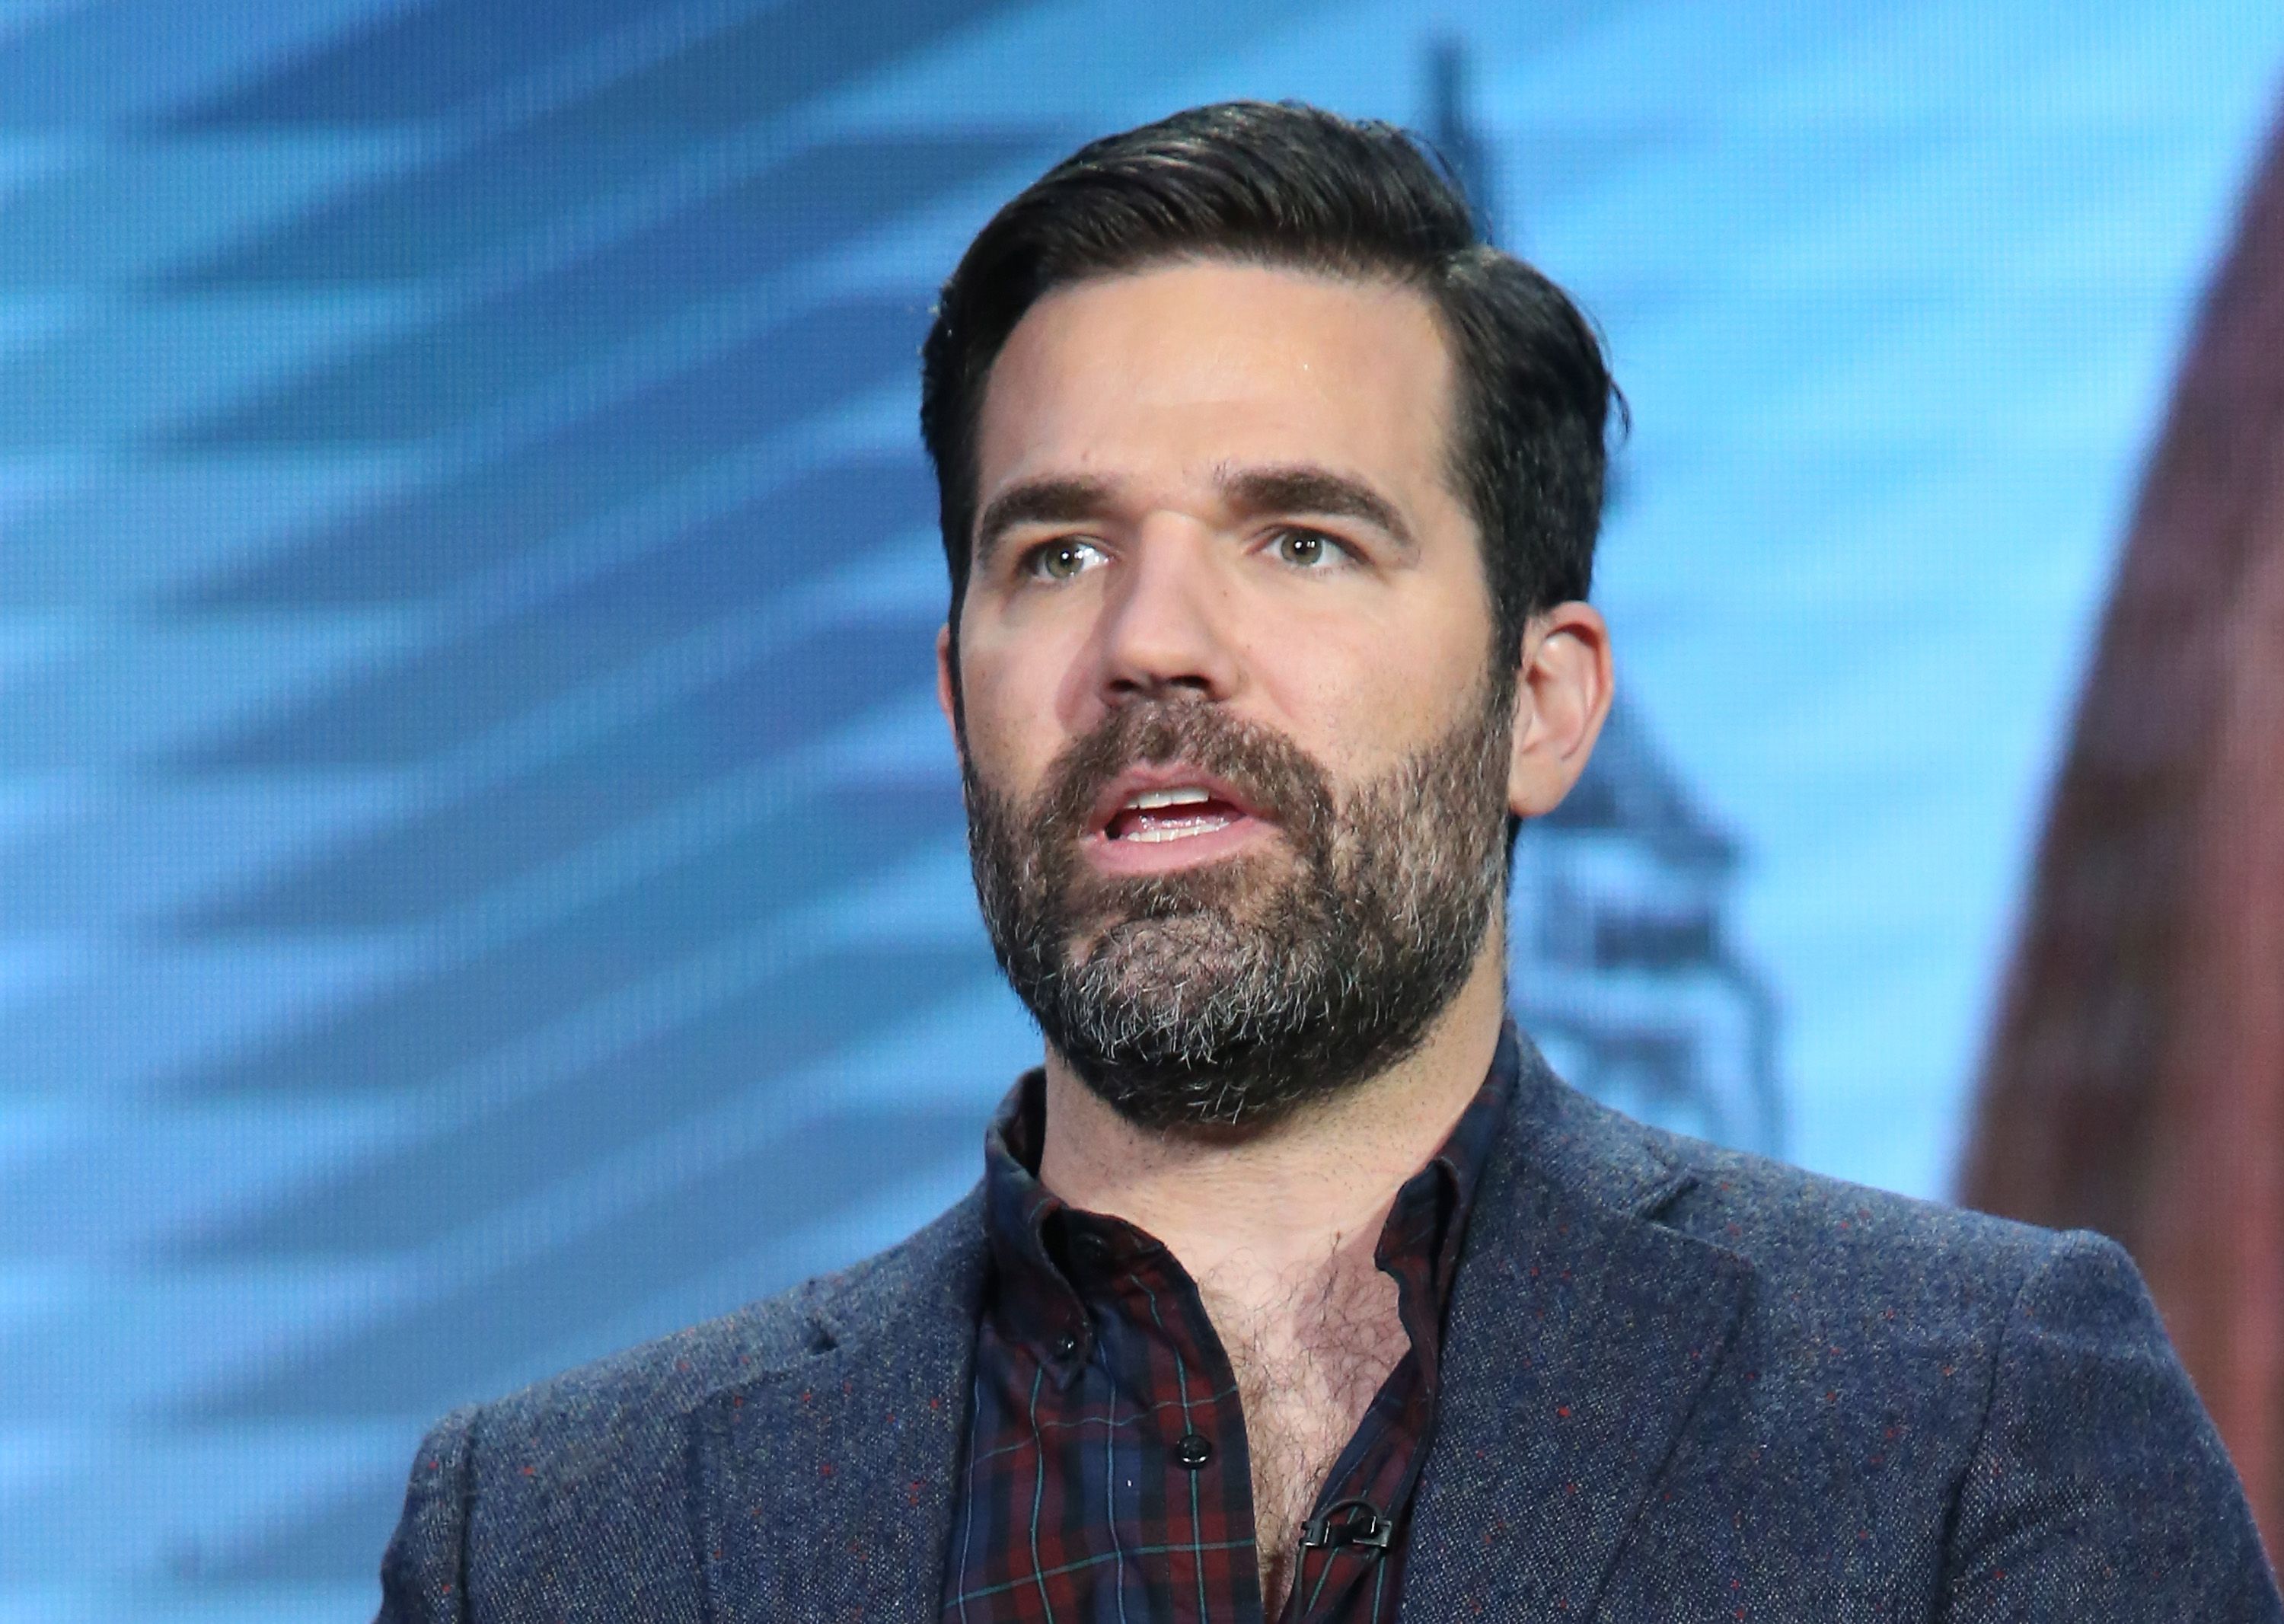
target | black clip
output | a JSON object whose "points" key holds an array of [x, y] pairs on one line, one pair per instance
{"points": [[1349, 1522]]}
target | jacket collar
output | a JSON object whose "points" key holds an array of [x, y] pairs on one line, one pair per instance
{"points": [[1581, 1332], [824, 1489]]}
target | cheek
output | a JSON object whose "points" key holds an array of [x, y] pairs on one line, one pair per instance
{"points": [[1367, 685], [1009, 709], [1365, 704]]}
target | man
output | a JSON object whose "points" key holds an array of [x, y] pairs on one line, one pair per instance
{"points": [[1296, 1287]]}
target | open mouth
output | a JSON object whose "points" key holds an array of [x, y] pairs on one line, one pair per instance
{"points": [[1178, 814], [1161, 817]]}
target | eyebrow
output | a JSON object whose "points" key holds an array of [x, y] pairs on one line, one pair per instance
{"points": [[1305, 488], [1055, 501], [1291, 488]]}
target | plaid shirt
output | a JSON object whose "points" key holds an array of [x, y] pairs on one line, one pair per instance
{"points": [[1107, 1475]]}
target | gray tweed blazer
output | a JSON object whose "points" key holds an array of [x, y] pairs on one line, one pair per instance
{"points": [[1680, 1384]]}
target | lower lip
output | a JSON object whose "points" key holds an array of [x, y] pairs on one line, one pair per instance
{"points": [[1133, 856]]}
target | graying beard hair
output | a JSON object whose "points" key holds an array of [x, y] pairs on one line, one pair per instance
{"points": [[1198, 1015]]}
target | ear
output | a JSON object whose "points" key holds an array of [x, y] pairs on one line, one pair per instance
{"points": [[945, 682], [1561, 697]]}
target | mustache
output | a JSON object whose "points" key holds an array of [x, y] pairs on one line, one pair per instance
{"points": [[1272, 773]]}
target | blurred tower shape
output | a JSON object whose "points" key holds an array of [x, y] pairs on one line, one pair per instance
{"points": [[1620, 963], [2134, 1083], [1619, 957]]}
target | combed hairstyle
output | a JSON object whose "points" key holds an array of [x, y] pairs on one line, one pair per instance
{"points": [[1292, 186]]}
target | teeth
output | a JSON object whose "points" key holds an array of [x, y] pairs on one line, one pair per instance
{"points": [[1150, 800], [1179, 831]]}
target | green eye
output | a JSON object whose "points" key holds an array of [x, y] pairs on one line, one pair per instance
{"points": [[1064, 560]]}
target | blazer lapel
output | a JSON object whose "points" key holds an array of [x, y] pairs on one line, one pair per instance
{"points": [[824, 1489], [1580, 1334]]}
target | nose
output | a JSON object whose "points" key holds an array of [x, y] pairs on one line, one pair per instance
{"points": [[1165, 628]]}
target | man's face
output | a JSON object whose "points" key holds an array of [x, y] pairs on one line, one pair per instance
{"points": [[1235, 743]]}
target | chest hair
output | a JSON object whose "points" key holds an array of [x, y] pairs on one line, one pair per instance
{"points": [[1308, 1357]]}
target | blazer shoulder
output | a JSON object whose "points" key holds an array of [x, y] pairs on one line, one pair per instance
{"points": [[1820, 1248], [1834, 1248], [562, 1428], [574, 1486]]}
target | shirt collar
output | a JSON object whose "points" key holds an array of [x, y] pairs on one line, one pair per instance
{"points": [[1024, 1220], [1042, 1296]]}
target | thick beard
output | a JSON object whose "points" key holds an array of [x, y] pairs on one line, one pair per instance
{"points": [[1247, 988]]}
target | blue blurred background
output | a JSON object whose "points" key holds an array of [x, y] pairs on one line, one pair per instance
{"points": [[481, 871]]}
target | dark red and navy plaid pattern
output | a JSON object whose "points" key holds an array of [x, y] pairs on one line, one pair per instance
{"points": [[1106, 1476]]}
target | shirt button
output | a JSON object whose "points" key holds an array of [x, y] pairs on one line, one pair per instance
{"points": [[1065, 1345], [1193, 1450]]}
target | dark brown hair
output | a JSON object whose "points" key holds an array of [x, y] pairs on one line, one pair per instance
{"points": [[1284, 184]]}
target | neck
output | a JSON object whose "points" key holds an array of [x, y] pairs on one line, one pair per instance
{"points": [[1269, 1201]]}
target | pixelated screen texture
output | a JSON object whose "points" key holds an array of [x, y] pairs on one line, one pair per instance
{"points": [[481, 879]]}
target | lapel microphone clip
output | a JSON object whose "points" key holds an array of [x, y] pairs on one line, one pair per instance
{"points": [[1348, 1523]]}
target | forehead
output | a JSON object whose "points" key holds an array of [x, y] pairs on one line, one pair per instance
{"points": [[1179, 369]]}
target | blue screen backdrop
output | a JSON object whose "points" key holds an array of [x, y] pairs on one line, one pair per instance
{"points": [[481, 879]]}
